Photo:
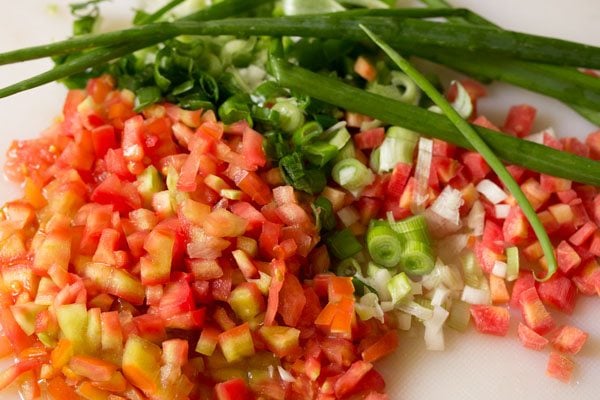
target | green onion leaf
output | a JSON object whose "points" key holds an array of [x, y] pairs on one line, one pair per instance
{"points": [[324, 215], [306, 133], [319, 153], [147, 96], [343, 244], [399, 287]]}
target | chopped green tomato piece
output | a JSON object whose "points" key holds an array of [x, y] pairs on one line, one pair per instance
{"points": [[141, 364], [247, 301], [73, 320], [281, 340], [25, 314], [236, 343]]}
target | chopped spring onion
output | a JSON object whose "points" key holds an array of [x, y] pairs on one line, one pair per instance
{"points": [[378, 278], [491, 191], [319, 153], [459, 316], [399, 287], [323, 210], [499, 269], [415, 309], [447, 205], [473, 295], [404, 321], [448, 247], [416, 258], [462, 104], [472, 273], [343, 244], [434, 333], [348, 215], [384, 245], [308, 180], [440, 295], [476, 219], [291, 117], [451, 277], [422, 170], [234, 109], [306, 133], [397, 147], [401, 88], [412, 228], [348, 267], [352, 175], [368, 307], [475, 140], [339, 137], [348, 151], [512, 263]]}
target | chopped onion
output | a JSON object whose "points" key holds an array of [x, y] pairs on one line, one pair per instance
{"points": [[462, 103], [459, 316], [422, 170], [368, 307], [368, 125], [473, 295], [451, 278], [432, 279], [417, 288], [447, 205], [538, 137], [491, 191], [440, 295], [499, 269], [476, 219], [434, 333], [285, 375], [448, 247], [399, 287], [501, 210], [348, 215], [378, 279], [387, 306], [404, 321], [439, 227], [336, 127], [414, 308]]}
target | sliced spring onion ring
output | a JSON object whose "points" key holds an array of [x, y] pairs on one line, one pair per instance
{"points": [[384, 245]]}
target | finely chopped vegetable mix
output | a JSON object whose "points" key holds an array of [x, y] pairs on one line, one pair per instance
{"points": [[250, 202]]}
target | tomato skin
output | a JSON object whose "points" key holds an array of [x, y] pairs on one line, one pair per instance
{"points": [[291, 300], [369, 139]]}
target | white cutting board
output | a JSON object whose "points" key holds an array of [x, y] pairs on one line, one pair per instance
{"points": [[474, 366]]}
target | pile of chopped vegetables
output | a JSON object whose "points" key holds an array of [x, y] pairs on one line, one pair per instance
{"points": [[208, 220]]}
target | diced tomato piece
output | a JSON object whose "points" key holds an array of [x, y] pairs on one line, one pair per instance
{"points": [[385, 345], [121, 194], [291, 300], [348, 381], [569, 339], [593, 142], [493, 320], [519, 120], [365, 69], [252, 149], [530, 338], [234, 389], [534, 313], [369, 139], [476, 166], [583, 233], [277, 278], [559, 292], [560, 367], [516, 227], [567, 257]]}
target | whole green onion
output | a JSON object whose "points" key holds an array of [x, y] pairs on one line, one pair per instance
{"points": [[351, 174], [384, 245], [480, 146]]}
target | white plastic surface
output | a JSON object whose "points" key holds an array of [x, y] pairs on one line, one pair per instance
{"points": [[474, 366]]}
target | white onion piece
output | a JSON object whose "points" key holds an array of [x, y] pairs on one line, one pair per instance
{"points": [[422, 170], [451, 278], [434, 339], [416, 288], [432, 279], [414, 308], [499, 269], [449, 247], [285, 375], [404, 321], [378, 279], [473, 295], [336, 127], [501, 210], [348, 215], [368, 307], [476, 219], [538, 137], [491, 191], [439, 227], [440, 295], [387, 306], [447, 205]]}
